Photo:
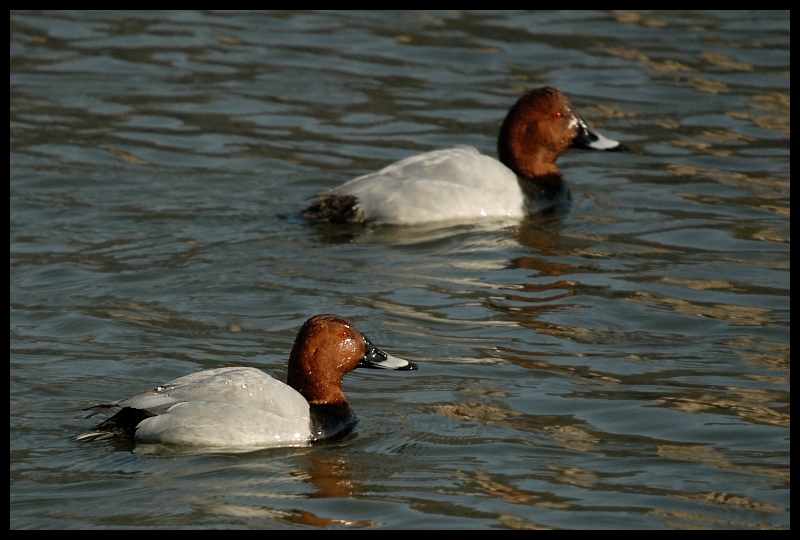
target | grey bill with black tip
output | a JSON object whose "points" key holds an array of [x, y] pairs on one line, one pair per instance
{"points": [[377, 359]]}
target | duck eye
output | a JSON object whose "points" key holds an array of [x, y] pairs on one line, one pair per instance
{"points": [[343, 334], [557, 115]]}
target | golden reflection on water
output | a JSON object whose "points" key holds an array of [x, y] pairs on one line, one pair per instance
{"points": [[630, 17], [708, 86], [760, 353], [573, 438], [692, 521], [736, 501], [518, 523], [701, 284], [749, 405], [703, 147], [476, 412], [739, 315], [712, 457], [128, 156], [774, 102], [497, 486], [638, 56], [719, 59]]}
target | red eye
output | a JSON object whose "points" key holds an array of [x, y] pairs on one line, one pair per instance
{"points": [[557, 115], [343, 334]]}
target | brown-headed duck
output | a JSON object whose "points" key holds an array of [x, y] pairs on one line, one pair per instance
{"points": [[462, 184], [245, 408]]}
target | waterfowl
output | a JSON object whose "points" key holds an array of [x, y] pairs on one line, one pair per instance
{"points": [[244, 407], [462, 184]]}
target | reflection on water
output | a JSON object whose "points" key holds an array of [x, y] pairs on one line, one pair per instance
{"points": [[622, 365]]}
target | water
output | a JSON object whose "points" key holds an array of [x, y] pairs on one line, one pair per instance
{"points": [[624, 365]]}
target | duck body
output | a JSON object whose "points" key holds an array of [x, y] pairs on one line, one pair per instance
{"points": [[217, 406], [438, 185], [462, 184], [246, 408]]}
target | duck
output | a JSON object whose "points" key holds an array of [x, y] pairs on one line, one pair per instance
{"points": [[462, 184], [245, 408]]}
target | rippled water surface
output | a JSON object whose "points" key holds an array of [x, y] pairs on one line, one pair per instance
{"points": [[623, 365]]}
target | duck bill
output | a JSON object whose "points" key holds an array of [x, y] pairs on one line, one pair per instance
{"points": [[377, 359], [589, 139]]}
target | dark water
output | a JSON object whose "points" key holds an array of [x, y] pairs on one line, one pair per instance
{"points": [[623, 365]]}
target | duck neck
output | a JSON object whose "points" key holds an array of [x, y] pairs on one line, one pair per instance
{"points": [[548, 189], [539, 177], [318, 390], [331, 422]]}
